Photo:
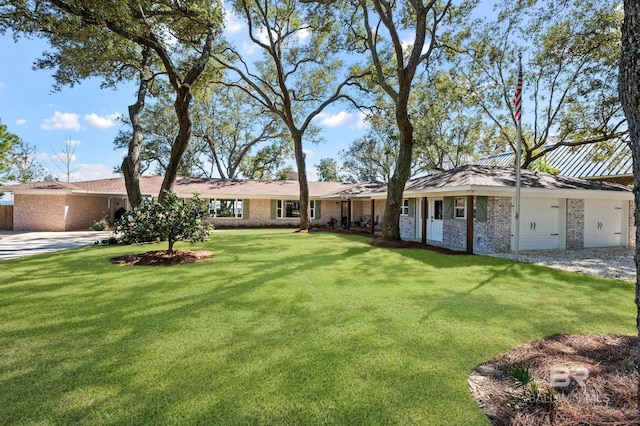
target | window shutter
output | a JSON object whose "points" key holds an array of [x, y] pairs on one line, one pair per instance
{"points": [[273, 209], [481, 209], [447, 205], [412, 207], [245, 209], [318, 204]]}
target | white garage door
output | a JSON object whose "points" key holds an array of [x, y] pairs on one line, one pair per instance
{"points": [[603, 224], [542, 224]]}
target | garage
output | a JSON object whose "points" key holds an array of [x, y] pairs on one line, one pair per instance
{"points": [[603, 224], [542, 224]]}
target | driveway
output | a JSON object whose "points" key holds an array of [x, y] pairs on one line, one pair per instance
{"points": [[20, 244], [609, 262]]}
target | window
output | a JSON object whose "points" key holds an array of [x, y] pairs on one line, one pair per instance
{"points": [[438, 210], [291, 208], [404, 208], [225, 208], [459, 207]]}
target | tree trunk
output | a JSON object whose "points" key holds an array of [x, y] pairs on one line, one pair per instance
{"points": [[305, 223], [402, 172], [181, 105], [629, 87], [131, 163]]}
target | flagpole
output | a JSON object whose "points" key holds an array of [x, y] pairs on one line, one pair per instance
{"points": [[518, 115]]}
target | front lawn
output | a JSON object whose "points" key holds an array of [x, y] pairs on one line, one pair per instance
{"points": [[276, 328]]}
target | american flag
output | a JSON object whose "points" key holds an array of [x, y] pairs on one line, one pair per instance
{"points": [[517, 96]]}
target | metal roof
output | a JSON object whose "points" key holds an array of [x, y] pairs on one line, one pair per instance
{"points": [[584, 161]]}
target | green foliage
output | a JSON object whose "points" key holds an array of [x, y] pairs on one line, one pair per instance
{"points": [[7, 141], [101, 225], [525, 380], [22, 164], [172, 219], [372, 157], [570, 67], [328, 170]]}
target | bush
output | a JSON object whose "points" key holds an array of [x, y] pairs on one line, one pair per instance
{"points": [[172, 220], [101, 225]]}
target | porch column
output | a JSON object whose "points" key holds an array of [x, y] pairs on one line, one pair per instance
{"points": [[349, 213], [372, 220], [424, 220], [469, 224]]}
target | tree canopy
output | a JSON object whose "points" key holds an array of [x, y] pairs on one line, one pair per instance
{"points": [[379, 28], [570, 58], [181, 35], [299, 74], [7, 142]]}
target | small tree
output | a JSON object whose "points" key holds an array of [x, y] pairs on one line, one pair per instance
{"points": [[171, 219]]}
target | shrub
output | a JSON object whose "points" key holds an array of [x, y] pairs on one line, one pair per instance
{"points": [[101, 225], [172, 220]]}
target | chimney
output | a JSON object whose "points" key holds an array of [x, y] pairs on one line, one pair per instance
{"points": [[292, 176]]}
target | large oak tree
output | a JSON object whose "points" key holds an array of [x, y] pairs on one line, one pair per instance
{"points": [[382, 29], [299, 73], [180, 34]]}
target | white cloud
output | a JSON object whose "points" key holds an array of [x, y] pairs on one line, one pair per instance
{"points": [[335, 120], [62, 157], [95, 171], [101, 122], [231, 23], [304, 35], [362, 122], [61, 121], [21, 121], [308, 153], [407, 45], [248, 48], [262, 35]]}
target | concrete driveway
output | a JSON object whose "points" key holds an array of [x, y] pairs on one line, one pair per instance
{"points": [[20, 244]]}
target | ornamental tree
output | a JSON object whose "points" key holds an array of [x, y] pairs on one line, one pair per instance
{"points": [[171, 219]]}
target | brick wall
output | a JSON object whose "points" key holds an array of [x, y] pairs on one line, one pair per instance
{"points": [[357, 207], [499, 218], [454, 233], [494, 235], [575, 223], [407, 228], [39, 212], [83, 211]]}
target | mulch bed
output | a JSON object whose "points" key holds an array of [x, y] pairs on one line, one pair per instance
{"points": [[608, 395], [378, 241], [163, 258]]}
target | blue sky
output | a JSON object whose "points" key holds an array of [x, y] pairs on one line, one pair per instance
{"points": [[87, 115]]}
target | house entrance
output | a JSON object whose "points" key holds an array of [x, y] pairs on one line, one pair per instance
{"points": [[435, 219]]}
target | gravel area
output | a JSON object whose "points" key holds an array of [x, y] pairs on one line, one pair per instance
{"points": [[610, 262]]}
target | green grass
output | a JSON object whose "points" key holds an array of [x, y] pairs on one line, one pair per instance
{"points": [[277, 328]]}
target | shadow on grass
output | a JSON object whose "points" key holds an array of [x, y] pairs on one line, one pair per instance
{"points": [[276, 328]]}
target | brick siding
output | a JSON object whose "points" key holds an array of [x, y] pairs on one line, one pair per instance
{"points": [[575, 223]]}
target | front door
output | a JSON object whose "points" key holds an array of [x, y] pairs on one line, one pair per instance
{"points": [[434, 221]]}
